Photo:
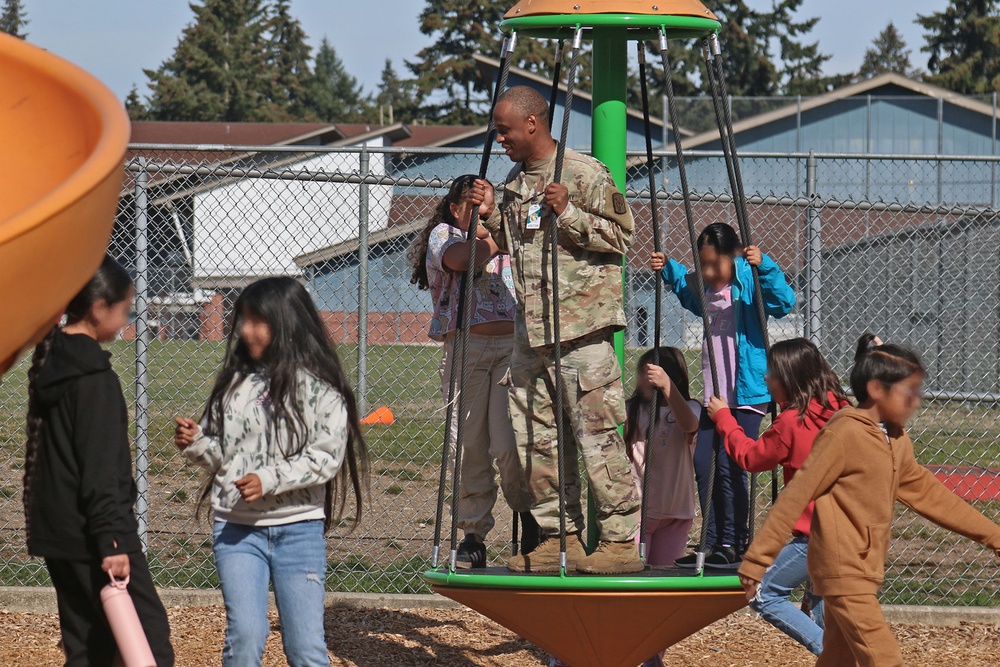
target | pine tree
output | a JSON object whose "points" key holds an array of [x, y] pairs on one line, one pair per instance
{"points": [[288, 54], [888, 53], [334, 95], [134, 105], [964, 46], [220, 69], [396, 97], [802, 64], [13, 19], [446, 68]]}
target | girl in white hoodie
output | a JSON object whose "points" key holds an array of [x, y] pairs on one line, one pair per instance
{"points": [[281, 439]]}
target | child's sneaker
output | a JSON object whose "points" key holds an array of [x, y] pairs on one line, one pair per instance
{"points": [[471, 553], [723, 558], [689, 562]]}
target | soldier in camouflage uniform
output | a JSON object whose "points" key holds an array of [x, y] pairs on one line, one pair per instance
{"points": [[595, 231]]}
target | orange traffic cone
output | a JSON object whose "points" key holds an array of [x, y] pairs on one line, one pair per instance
{"points": [[380, 415]]}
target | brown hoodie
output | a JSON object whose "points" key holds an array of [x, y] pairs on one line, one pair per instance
{"points": [[854, 474]]}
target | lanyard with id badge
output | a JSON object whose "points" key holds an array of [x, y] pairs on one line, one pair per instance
{"points": [[534, 220]]}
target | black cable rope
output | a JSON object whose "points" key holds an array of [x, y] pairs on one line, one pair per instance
{"points": [[558, 383], [724, 117], [556, 73], [654, 415], [464, 304], [706, 502]]}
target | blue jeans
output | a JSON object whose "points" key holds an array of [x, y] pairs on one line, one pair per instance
{"points": [[786, 574], [293, 558], [729, 507]]}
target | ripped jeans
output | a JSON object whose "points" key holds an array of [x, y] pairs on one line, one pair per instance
{"points": [[292, 557]]}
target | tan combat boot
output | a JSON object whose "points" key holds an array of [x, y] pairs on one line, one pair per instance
{"points": [[545, 557], [612, 558]]}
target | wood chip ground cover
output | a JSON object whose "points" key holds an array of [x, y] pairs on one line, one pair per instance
{"points": [[459, 637]]}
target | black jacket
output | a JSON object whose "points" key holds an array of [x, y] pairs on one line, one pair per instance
{"points": [[82, 490]]}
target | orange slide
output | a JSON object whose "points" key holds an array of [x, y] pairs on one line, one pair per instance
{"points": [[63, 137]]}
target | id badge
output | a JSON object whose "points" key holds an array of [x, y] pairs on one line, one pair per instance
{"points": [[534, 217]]}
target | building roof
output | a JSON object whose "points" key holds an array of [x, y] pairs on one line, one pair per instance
{"points": [[866, 87]]}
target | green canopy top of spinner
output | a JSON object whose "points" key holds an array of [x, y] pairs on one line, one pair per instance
{"points": [[684, 19]]}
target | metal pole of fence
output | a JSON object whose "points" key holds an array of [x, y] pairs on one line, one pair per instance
{"points": [[141, 358], [814, 257], [868, 148], [362, 384], [993, 149], [940, 149]]}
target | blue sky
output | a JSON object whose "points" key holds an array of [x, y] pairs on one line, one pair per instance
{"points": [[116, 39]]}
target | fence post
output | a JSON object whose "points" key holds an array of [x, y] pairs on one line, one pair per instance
{"points": [[814, 257], [141, 359], [993, 151], [362, 383], [940, 150]]}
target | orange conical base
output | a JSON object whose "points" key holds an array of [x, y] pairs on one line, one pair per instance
{"points": [[599, 629]]}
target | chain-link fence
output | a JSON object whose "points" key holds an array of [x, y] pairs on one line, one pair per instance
{"points": [[903, 246]]}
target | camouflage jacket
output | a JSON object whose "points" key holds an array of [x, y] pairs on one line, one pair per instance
{"points": [[595, 231]]}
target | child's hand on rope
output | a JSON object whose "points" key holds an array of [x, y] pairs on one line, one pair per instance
{"points": [[657, 260], [714, 405], [250, 487], [557, 197], [481, 195], [185, 433], [658, 377], [750, 586], [753, 255]]}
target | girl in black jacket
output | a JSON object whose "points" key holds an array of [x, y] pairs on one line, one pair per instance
{"points": [[78, 485]]}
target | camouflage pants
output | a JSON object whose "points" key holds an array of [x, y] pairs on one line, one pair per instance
{"points": [[593, 407]]}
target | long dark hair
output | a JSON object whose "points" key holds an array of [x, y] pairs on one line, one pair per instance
{"points": [[298, 342], [417, 253], [673, 363], [800, 368], [111, 284], [886, 363]]}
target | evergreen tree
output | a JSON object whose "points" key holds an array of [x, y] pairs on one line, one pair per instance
{"points": [[964, 46], [220, 70], [335, 95], [888, 53], [397, 97], [13, 19], [802, 64], [135, 106], [288, 55], [445, 70]]}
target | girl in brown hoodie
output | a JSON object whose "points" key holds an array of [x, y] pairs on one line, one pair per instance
{"points": [[860, 464]]}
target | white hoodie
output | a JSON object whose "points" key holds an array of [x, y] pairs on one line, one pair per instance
{"points": [[293, 485]]}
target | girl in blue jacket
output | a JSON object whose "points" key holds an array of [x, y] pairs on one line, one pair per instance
{"points": [[737, 336]]}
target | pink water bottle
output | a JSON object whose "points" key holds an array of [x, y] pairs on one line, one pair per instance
{"points": [[129, 635]]}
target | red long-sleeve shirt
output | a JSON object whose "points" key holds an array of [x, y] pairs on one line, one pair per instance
{"points": [[787, 443]]}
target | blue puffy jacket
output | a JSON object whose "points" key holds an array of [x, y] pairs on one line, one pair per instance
{"points": [[779, 299]]}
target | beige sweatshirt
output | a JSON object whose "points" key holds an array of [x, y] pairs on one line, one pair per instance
{"points": [[855, 473]]}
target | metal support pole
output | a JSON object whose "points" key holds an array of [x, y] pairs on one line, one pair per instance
{"points": [[609, 140], [141, 353], [814, 257], [361, 389], [993, 151], [868, 147], [940, 150]]}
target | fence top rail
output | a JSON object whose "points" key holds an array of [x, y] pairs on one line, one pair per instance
{"points": [[657, 153]]}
